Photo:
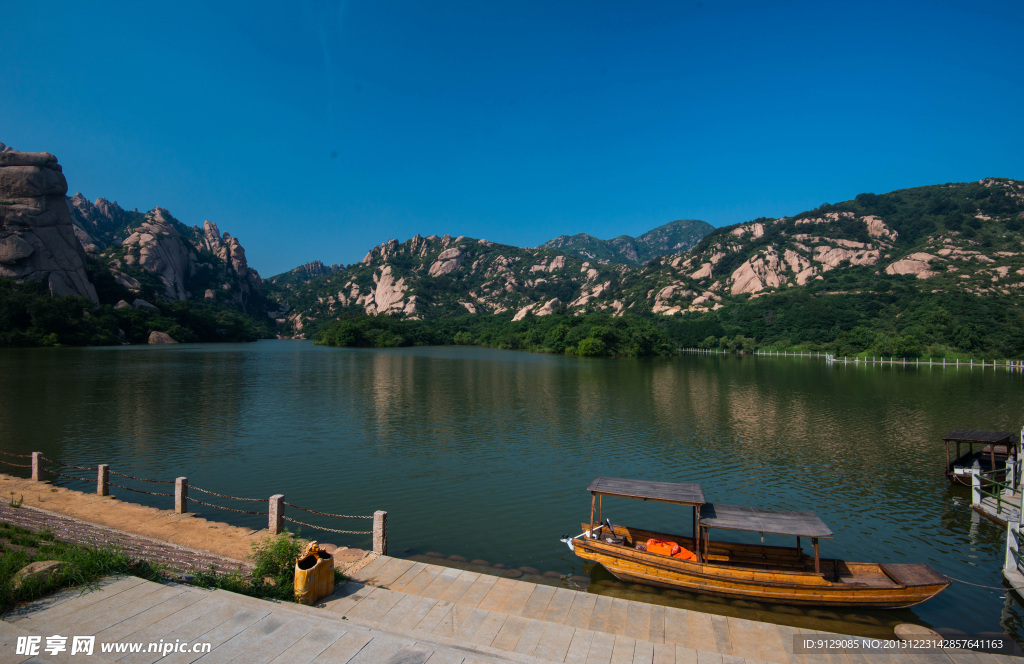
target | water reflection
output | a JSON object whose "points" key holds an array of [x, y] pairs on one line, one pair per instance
{"points": [[487, 454]]}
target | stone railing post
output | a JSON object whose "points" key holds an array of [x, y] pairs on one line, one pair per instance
{"points": [[275, 521], [37, 467], [380, 532], [103, 480], [181, 495], [975, 487]]}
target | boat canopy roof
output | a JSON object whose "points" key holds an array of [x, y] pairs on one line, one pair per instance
{"points": [[753, 519], [973, 436], [662, 492]]}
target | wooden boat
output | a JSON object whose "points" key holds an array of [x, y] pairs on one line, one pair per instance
{"points": [[996, 448], [776, 574]]}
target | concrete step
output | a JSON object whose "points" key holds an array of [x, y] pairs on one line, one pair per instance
{"points": [[242, 629], [487, 633], [413, 637], [677, 635], [9, 633]]}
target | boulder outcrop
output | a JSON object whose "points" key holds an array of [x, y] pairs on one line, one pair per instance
{"points": [[37, 238], [230, 250], [157, 338], [157, 247]]}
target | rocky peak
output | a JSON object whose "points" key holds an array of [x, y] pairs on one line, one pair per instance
{"points": [[315, 269], [213, 239], [157, 247], [37, 237], [230, 250], [96, 224], [672, 238], [107, 208]]}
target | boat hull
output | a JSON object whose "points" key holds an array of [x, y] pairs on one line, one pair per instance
{"points": [[881, 586]]}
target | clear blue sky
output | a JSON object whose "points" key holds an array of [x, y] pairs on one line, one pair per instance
{"points": [[318, 131]]}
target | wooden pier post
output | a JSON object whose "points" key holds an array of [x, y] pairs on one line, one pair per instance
{"points": [[103, 480], [181, 495], [275, 520], [37, 467], [975, 486], [380, 532]]}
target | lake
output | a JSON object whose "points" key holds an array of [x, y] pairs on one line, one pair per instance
{"points": [[486, 455]]}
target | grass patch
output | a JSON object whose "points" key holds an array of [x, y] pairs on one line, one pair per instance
{"points": [[83, 566], [272, 578]]}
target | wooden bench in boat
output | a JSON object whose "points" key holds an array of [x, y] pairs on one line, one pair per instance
{"points": [[741, 555], [912, 574]]}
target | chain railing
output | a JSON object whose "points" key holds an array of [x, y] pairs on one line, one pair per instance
{"points": [[275, 504]]}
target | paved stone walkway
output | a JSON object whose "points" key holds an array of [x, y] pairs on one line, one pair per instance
{"points": [[125, 611], [186, 530], [445, 618], [576, 627]]}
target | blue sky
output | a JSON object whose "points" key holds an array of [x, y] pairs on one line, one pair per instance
{"points": [[318, 130]]}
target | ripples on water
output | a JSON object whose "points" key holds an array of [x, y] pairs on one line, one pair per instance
{"points": [[487, 454]]}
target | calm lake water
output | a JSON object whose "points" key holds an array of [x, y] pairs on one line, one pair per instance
{"points": [[487, 454]]}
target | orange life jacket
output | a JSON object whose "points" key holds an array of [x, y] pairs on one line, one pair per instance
{"points": [[662, 547], [667, 548], [685, 554]]}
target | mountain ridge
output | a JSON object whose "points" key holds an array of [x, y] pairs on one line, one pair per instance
{"points": [[671, 238], [960, 239]]}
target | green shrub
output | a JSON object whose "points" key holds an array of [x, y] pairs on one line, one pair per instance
{"points": [[591, 347]]}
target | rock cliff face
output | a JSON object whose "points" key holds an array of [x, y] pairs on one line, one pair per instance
{"points": [[188, 262], [230, 250], [158, 248], [37, 238], [98, 224]]}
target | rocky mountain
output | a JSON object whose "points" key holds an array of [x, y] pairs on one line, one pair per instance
{"points": [[431, 277], [964, 239], [153, 251], [37, 238], [955, 238], [77, 246], [674, 237], [302, 274]]}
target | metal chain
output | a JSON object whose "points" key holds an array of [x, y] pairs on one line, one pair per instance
{"points": [[226, 509], [330, 530], [66, 465], [72, 477], [16, 465], [148, 493], [195, 500], [220, 495], [340, 516], [141, 479], [12, 454]]}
